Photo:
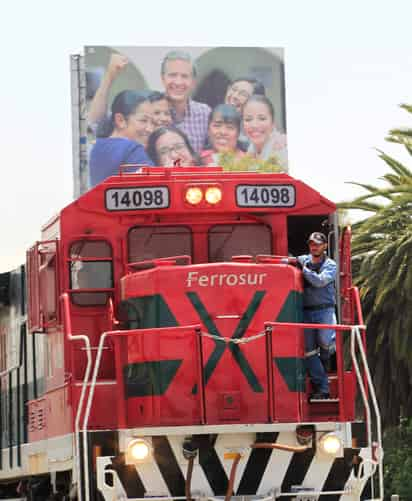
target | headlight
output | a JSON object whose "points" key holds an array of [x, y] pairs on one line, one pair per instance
{"points": [[213, 195], [138, 450], [194, 195], [330, 444]]}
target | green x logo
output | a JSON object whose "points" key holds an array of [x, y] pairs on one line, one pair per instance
{"points": [[220, 347]]}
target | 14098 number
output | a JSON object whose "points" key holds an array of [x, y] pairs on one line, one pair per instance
{"points": [[119, 199], [265, 195]]}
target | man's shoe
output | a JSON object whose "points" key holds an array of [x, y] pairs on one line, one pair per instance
{"points": [[319, 396]]}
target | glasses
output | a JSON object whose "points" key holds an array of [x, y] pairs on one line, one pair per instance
{"points": [[241, 93], [167, 150]]}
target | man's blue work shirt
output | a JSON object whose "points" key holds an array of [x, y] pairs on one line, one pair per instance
{"points": [[319, 284]]}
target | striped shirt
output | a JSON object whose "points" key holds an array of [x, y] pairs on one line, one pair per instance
{"points": [[194, 123]]}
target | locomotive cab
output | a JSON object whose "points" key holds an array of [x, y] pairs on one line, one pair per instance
{"points": [[166, 307], [222, 265]]}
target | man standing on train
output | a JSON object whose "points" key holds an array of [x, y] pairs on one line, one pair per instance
{"points": [[319, 301]]}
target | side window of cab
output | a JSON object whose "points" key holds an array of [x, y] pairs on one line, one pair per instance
{"points": [[90, 272]]}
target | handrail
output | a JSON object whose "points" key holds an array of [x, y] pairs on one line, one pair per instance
{"points": [[356, 299], [116, 333], [369, 385], [365, 383], [354, 294], [339, 358], [7, 371], [355, 335], [112, 318], [67, 323], [152, 263], [303, 325]]}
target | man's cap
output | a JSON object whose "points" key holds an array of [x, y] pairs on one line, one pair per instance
{"points": [[318, 238]]}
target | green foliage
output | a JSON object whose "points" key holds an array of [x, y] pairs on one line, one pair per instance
{"points": [[231, 162], [397, 444], [382, 265]]}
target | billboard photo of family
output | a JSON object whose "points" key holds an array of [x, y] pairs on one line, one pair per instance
{"points": [[190, 106]]}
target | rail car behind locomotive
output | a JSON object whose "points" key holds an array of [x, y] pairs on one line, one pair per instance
{"points": [[162, 353]]}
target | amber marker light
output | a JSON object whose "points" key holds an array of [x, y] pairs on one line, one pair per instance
{"points": [[213, 195], [194, 195], [138, 450]]}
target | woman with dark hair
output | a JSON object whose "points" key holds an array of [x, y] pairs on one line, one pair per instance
{"points": [[169, 146], [161, 109], [241, 89], [223, 134], [266, 142], [123, 136]]}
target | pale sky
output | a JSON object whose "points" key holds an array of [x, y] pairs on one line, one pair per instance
{"points": [[348, 67]]}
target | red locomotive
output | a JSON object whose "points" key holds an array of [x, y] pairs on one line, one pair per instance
{"points": [[162, 354]]}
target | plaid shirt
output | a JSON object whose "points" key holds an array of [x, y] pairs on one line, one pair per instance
{"points": [[194, 123]]}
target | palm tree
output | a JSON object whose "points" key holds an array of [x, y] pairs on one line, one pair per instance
{"points": [[382, 263]]}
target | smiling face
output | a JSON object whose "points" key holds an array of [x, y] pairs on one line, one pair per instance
{"points": [[178, 80], [223, 135], [137, 126], [257, 123], [162, 116], [171, 147], [238, 93], [317, 250]]}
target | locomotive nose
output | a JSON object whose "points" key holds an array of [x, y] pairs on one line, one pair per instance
{"points": [[229, 350]]}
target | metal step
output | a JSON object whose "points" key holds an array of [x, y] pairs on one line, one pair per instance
{"points": [[323, 400]]}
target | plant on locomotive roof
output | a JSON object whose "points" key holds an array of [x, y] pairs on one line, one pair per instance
{"points": [[231, 162], [382, 257]]}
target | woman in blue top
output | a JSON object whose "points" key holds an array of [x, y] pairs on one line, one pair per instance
{"points": [[123, 136]]}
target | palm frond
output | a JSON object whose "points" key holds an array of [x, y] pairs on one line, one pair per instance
{"points": [[382, 266], [366, 206], [406, 107], [396, 166]]}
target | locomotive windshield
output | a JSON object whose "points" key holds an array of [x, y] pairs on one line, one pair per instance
{"points": [[223, 240], [227, 240], [152, 242]]}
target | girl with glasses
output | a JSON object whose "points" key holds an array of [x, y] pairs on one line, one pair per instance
{"points": [[169, 146]]}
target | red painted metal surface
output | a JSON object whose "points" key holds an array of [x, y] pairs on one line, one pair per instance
{"points": [[178, 405], [343, 386], [287, 405], [106, 402], [348, 312], [241, 383], [37, 419], [50, 416], [220, 296], [33, 293]]}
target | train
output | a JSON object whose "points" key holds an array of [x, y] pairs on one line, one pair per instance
{"points": [[152, 347]]}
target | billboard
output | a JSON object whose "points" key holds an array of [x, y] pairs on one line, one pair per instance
{"points": [[177, 106]]}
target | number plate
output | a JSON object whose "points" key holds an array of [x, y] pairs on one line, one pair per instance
{"points": [[265, 195], [118, 199]]}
